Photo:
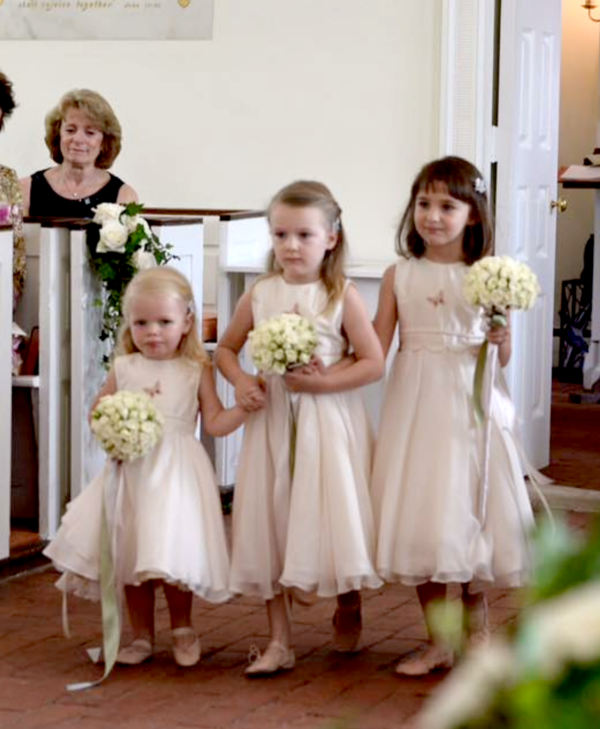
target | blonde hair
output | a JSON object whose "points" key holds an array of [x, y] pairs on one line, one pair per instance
{"points": [[311, 194], [167, 281], [100, 113]]}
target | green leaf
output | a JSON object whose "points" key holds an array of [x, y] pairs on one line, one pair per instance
{"points": [[133, 209]]}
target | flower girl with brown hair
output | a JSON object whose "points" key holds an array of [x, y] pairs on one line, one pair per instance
{"points": [[430, 467]]}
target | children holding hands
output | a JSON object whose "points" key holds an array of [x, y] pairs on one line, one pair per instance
{"points": [[302, 520], [167, 523], [303, 524]]}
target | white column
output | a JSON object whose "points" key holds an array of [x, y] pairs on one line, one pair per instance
{"points": [[6, 295]]}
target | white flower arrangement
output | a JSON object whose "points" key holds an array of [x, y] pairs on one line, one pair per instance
{"points": [[127, 424], [500, 283], [282, 342], [497, 283], [126, 244]]}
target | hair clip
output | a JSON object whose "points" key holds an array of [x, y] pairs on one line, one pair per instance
{"points": [[191, 308], [480, 186], [337, 224]]}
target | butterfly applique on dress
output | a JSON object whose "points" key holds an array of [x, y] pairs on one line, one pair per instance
{"points": [[154, 390], [437, 300]]}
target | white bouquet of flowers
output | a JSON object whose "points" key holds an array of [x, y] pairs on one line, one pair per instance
{"points": [[500, 283], [127, 424], [282, 342], [497, 283], [126, 244]]}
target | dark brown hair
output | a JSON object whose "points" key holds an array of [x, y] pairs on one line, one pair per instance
{"points": [[464, 182], [102, 117], [308, 193], [7, 100]]}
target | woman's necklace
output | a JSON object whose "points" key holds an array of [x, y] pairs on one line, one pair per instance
{"points": [[84, 187]]}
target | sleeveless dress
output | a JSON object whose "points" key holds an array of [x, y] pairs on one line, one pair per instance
{"points": [[44, 202], [313, 530], [428, 467], [168, 516]]}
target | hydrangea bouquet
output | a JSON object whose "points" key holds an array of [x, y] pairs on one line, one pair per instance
{"points": [[497, 283], [282, 342], [126, 245], [127, 424]]}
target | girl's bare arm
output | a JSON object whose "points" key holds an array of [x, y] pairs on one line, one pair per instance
{"points": [[386, 317], [108, 388], [248, 390], [217, 420]]}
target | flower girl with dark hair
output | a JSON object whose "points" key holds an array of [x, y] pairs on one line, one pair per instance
{"points": [[431, 466]]}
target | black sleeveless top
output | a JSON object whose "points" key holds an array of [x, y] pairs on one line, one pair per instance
{"points": [[45, 203]]}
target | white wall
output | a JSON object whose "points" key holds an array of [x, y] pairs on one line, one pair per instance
{"points": [[345, 91], [579, 118]]}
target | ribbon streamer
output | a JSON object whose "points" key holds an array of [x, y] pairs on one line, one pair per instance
{"points": [[111, 609], [489, 367]]}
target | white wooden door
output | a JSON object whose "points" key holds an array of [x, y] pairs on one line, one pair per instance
{"points": [[527, 157]]}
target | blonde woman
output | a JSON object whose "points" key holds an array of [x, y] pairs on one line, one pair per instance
{"points": [[83, 136]]}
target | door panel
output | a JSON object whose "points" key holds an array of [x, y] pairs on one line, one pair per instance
{"points": [[527, 182]]}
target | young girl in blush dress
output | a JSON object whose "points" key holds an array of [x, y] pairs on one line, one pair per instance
{"points": [[310, 531], [168, 513], [429, 463]]}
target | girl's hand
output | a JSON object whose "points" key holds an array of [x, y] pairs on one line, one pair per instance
{"points": [[500, 336], [315, 365], [250, 392], [315, 377], [309, 378]]}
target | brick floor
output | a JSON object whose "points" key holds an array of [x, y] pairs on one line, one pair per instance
{"points": [[324, 691]]}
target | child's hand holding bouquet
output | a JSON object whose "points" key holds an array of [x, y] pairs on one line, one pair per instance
{"points": [[127, 424], [498, 284], [282, 343]]}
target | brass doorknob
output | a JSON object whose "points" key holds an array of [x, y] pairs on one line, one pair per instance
{"points": [[561, 204]]}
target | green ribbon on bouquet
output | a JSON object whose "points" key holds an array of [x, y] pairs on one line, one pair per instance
{"points": [[111, 610], [496, 320]]}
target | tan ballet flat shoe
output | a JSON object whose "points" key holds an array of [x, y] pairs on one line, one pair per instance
{"points": [[425, 660], [136, 652], [186, 647], [276, 658], [347, 626]]}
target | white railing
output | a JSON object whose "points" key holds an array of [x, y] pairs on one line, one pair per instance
{"points": [[6, 297]]}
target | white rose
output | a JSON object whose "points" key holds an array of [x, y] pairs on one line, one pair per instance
{"points": [[143, 259], [106, 212], [113, 237]]}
